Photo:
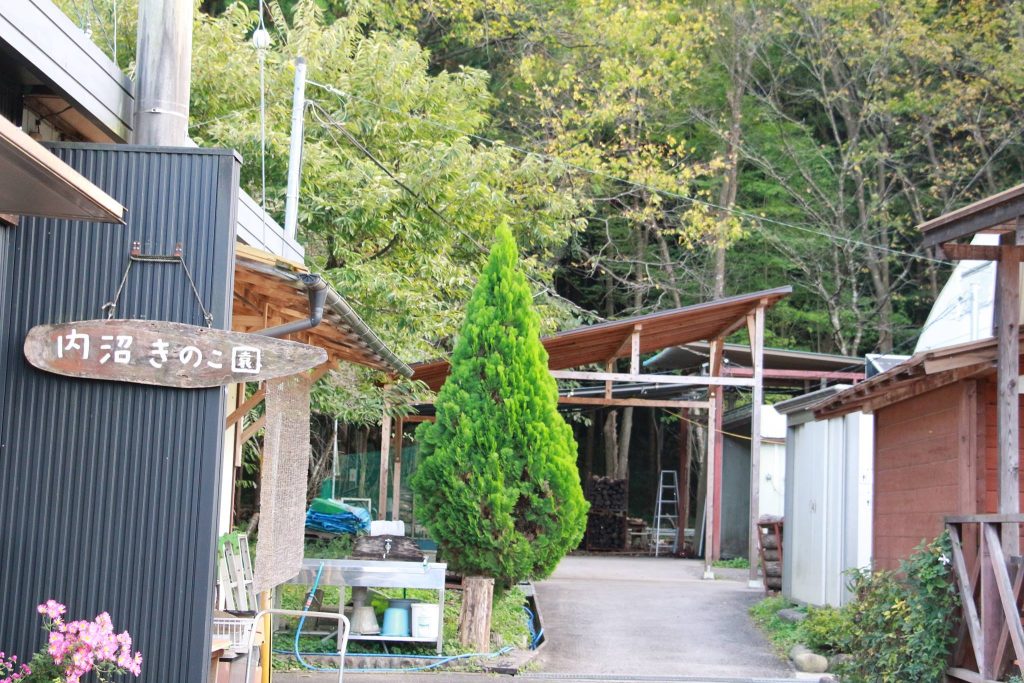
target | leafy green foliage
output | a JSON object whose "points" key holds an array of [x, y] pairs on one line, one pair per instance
{"points": [[338, 547], [497, 484], [898, 628], [733, 563], [902, 626], [782, 634], [827, 630]]}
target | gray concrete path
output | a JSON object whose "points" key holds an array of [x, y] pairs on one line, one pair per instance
{"points": [[632, 619], [650, 616]]}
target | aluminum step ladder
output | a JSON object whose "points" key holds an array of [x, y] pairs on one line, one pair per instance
{"points": [[666, 512]]}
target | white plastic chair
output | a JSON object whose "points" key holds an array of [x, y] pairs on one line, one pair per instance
{"points": [[343, 630]]}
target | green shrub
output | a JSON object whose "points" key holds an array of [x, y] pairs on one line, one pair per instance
{"points": [[782, 634], [497, 485], [827, 630], [733, 563], [902, 623]]}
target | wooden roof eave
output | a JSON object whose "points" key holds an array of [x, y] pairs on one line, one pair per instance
{"points": [[925, 371], [994, 213], [273, 284], [604, 342]]}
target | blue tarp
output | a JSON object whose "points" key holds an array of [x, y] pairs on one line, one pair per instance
{"points": [[349, 520]]}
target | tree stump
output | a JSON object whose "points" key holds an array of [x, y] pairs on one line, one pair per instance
{"points": [[475, 618]]}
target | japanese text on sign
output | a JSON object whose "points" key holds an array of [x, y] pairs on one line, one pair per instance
{"points": [[119, 348]]}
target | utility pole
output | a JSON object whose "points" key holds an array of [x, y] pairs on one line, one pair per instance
{"points": [[291, 206], [164, 72]]}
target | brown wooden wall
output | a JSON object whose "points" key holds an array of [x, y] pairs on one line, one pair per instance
{"points": [[925, 452], [935, 455]]}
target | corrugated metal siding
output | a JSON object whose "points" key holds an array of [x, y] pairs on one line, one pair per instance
{"points": [[11, 101], [108, 490]]}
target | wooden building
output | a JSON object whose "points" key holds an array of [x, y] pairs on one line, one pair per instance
{"points": [[935, 443]]}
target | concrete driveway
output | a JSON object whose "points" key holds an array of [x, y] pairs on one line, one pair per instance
{"points": [[640, 619], [651, 617]]}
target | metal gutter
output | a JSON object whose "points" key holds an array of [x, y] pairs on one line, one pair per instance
{"points": [[363, 331], [349, 318], [316, 289]]}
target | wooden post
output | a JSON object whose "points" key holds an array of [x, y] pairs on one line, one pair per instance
{"points": [[684, 478], [610, 367], [711, 462], [755, 326], [634, 351], [1007, 410], [719, 443], [475, 617], [992, 621], [385, 462], [396, 476]]}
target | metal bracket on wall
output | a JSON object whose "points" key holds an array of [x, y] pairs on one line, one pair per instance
{"points": [[135, 254]]}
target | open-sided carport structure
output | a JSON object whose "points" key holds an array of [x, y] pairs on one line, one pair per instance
{"points": [[573, 354]]}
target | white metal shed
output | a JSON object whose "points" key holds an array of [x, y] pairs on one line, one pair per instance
{"points": [[828, 500]]}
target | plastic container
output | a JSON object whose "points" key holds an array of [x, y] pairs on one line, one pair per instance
{"points": [[424, 620], [396, 622]]}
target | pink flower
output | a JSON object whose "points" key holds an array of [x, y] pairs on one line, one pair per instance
{"points": [[52, 609]]}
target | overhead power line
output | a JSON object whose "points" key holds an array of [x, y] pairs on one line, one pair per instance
{"points": [[740, 213], [331, 124]]}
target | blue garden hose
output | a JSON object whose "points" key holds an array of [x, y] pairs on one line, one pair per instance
{"points": [[535, 635], [295, 652], [302, 621]]}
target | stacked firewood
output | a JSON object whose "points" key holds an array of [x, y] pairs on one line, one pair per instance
{"points": [[606, 530], [770, 544], [607, 494]]}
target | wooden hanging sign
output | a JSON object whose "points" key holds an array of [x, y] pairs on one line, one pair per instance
{"points": [[164, 353]]}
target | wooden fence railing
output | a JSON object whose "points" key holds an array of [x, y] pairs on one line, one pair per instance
{"points": [[990, 638]]}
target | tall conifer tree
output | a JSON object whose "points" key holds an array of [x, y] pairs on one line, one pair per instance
{"points": [[498, 484]]}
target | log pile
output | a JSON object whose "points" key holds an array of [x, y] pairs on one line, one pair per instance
{"points": [[606, 530], [769, 537], [608, 494]]}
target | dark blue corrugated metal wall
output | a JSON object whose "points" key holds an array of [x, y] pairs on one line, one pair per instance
{"points": [[108, 490]]}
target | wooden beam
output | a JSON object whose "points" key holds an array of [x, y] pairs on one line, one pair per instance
{"points": [[716, 349], [247, 405], [321, 370], [253, 428], [385, 463], [963, 579], [991, 610], [626, 402], [396, 476], [970, 220], [1007, 599], [676, 380], [610, 368], [812, 375], [967, 675], [979, 252], [709, 495], [634, 352], [1007, 409], [684, 478], [628, 342], [755, 328]]}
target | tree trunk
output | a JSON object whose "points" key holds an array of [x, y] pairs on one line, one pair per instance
{"points": [[475, 617], [625, 436], [611, 443]]}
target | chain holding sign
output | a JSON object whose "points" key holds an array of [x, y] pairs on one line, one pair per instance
{"points": [[164, 353]]}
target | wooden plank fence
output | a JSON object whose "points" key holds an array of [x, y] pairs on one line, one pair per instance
{"points": [[990, 639]]}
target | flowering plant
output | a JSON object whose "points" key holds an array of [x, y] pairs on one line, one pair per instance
{"points": [[73, 650]]}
